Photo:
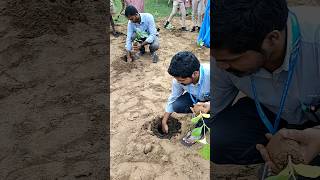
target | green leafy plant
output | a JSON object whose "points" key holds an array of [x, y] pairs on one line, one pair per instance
{"points": [[196, 132], [292, 170], [140, 35], [200, 43], [170, 26]]}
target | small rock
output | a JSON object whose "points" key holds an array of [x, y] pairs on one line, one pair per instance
{"points": [[149, 132], [165, 158], [147, 148], [130, 118]]}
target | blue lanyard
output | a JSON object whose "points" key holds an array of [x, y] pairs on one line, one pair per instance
{"points": [[292, 62], [199, 89]]}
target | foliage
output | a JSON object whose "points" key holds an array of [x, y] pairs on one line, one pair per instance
{"points": [[300, 169], [196, 132]]}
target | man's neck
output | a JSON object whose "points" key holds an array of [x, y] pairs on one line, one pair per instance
{"points": [[196, 79], [271, 66], [139, 19]]}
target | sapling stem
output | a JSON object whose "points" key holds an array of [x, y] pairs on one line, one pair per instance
{"points": [[264, 171], [291, 168]]}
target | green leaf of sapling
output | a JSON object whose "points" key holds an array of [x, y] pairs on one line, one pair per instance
{"points": [[206, 115], [307, 170], [196, 119], [196, 132], [278, 177], [205, 152]]}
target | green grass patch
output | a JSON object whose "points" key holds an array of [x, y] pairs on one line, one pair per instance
{"points": [[158, 8]]}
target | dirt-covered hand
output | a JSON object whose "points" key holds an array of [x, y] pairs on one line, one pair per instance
{"points": [[203, 107], [265, 155], [165, 128], [136, 47], [308, 139]]}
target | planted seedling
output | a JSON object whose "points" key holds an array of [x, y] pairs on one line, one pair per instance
{"points": [[196, 132], [200, 43], [292, 170], [140, 35]]}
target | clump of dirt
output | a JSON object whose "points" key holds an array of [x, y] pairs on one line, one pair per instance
{"points": [[122, 66], [173, 124], [280, 149]]}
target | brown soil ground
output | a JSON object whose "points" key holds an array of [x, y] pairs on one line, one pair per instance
{"points": [[139, 91], [52, 89]]}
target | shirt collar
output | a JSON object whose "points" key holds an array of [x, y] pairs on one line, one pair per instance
{"points": [[200, 77], [142, 17], [200, 73]]}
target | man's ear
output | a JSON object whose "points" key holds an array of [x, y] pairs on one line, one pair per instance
{"points": [[195, 73], [272, 41]]}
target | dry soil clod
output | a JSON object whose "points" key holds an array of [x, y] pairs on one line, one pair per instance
{"points": [[147, 148]]}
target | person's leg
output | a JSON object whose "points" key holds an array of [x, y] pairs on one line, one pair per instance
{"points": [[183, 104], [114, 32], [173, 12], [194, 12], [200, 12], [235, 131], [154, 46], [183, 15]]}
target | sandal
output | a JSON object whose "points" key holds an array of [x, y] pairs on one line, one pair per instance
{"points": [[189, 140]]}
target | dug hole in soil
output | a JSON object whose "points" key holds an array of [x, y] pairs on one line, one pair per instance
{"points": [[156, 127]]}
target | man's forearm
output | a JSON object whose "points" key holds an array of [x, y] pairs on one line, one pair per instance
{"points": [[144, 43], [128, 53], [166, 117]]}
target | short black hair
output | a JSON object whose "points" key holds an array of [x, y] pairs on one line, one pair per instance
{"points": [[183, 64], [130, 11], [241, 25]]}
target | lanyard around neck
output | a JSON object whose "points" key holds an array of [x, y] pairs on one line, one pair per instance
{"points": [[292, 62], [195, 100]]}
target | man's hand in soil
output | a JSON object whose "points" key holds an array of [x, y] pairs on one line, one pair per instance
{"points": [[165, 128], [308, 139], [203, 107], [129, 57]]}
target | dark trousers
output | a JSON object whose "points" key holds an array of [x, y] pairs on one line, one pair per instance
{"points": [[183, 104], [237, 129]]}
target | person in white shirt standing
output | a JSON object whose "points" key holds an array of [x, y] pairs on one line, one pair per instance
{"points": [[198, 7], [178, 4]]}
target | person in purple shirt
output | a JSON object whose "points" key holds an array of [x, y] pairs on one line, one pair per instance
{"points": [[141, 23]]}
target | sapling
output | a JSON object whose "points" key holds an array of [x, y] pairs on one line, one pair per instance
{"points": [[196, 132], [292, 170], [200, 43], [286, 155], [140, 35]]}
